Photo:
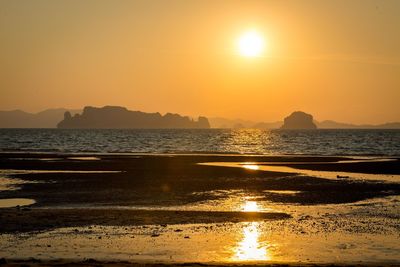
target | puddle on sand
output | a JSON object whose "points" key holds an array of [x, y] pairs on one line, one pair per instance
{"points": [[49, 159], [283, 192], [267, 166], [14, 202], [7, 183], [84, 158], [12, 183]]}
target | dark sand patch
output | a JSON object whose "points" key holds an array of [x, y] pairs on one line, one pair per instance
{"points": [[24, 220]]}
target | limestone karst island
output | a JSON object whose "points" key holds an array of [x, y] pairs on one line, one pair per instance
{"points": [[112, 117], [299, 120]]}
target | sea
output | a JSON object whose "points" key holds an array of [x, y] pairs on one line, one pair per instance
{"points": [[326, 142]]}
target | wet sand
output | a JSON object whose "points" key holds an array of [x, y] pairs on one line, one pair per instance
{"points": [[92, 262], [25, 219], [167, 191]]}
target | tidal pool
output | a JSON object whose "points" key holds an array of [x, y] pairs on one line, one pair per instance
{"points": [[275, 167], [14, 202]]}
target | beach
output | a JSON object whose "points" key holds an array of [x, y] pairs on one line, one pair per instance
{"points": [[199, 133], [217, 209]]}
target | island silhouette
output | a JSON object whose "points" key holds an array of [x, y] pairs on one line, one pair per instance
{"points": [[299, 120], [115, 117]]}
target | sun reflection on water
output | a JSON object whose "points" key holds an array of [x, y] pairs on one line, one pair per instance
{"points": [[249, 248], [250, 206], [250, 166]]}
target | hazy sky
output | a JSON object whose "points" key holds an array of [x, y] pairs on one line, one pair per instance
{"points": [[334, 59]]}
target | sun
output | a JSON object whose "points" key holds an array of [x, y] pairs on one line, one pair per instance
{"points": [[251, 44]]}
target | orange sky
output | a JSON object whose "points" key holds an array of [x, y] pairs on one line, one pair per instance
{"points": [[337, 60]]}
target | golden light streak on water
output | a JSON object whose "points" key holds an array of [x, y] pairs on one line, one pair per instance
{"points": [[250, 166], [249, 247]]}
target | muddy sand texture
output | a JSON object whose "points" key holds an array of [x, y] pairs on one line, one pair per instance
{"points": [[25, 220], [95, 263]]}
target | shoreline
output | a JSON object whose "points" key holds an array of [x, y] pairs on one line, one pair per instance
{"points": [[198, 153]]}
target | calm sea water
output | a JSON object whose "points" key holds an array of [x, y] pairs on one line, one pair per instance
{"points": [[252, 141]]}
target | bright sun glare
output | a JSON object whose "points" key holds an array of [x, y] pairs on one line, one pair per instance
{"points": [[251, 44], [250, 206], [250, 247]]}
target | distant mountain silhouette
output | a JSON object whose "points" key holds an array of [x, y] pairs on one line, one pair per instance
{"points": [[268, 125], [114, 117], [299, 120], [328, 124], [50, 117], [218, 122], [21, 119]]}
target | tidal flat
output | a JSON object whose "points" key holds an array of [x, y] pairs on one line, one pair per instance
{"points": [[180, 209]]}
